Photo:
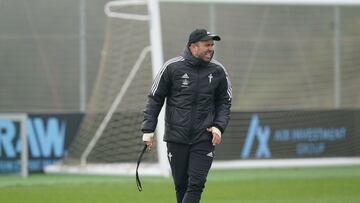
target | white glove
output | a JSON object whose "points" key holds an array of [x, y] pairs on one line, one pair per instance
{"points": [[147, 137]]}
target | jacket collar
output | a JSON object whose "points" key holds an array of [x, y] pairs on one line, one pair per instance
{"points": [[193, 60]]}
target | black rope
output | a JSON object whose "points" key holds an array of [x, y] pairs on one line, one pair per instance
{"points": [[138, 183]]}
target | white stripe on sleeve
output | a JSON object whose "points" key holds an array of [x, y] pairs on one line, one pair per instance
{"points": [[159, 75], [229, 90]]}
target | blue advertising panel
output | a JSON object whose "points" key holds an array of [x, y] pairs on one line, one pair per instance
{"points": [[49, 136], [291, 134]]}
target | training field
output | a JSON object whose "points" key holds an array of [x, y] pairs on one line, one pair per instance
{"points": [[318, 185]]}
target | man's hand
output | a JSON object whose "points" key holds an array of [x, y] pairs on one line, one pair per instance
{"points": [[148, 139], [216, 133]]}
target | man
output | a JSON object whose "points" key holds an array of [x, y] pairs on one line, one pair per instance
{"points": [[198, 99]]}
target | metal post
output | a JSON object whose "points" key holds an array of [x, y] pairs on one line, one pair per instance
{"points": [[82, 59], [157, 62], [24, 148], [337, 57]]}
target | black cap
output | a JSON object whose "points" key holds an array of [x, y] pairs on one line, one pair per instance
{"points": [[201, 35]]}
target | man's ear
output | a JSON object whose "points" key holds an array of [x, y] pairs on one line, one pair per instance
{"points": [[193, 48]]}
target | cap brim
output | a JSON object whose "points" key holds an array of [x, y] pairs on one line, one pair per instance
{"points": [[213, 37]]}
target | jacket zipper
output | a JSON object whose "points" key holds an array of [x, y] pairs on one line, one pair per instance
{"points": [[194, 106]]}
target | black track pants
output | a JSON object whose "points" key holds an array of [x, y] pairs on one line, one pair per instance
{"points": [[190, 165]]}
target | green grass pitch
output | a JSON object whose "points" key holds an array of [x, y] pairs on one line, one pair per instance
{"points": [[303, 185]]}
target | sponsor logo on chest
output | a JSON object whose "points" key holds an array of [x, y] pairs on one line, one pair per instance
{"points": [[185, 80]]}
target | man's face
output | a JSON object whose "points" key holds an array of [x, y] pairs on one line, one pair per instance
{"points": [[204, 49]]}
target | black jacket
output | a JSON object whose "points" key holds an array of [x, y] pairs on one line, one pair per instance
{"points": [[198, 96]]}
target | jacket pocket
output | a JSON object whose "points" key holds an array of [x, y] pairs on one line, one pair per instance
{"points": [[180, 116]]}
